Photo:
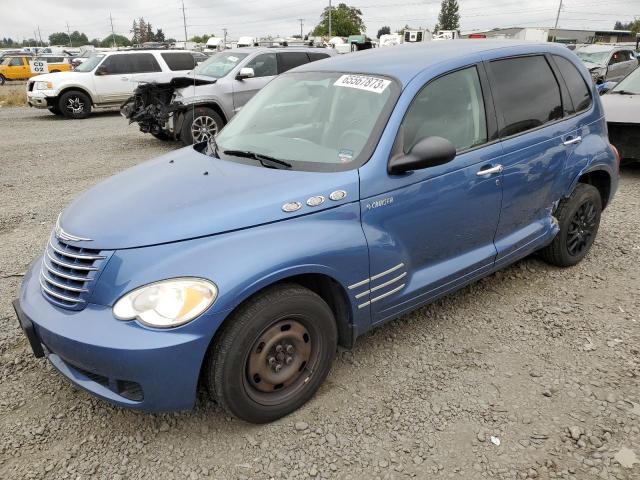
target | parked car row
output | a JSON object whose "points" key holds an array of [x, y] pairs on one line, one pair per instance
{"points": [[22, 67], [346, 193]]}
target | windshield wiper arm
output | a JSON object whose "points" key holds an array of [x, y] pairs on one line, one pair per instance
{"points": [[265, 160]]}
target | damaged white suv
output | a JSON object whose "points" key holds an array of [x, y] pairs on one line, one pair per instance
{"points": [[105, 80], [196, 106]]}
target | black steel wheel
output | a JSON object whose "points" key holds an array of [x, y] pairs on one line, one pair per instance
{"points": [[273, 354], [2, 79], [578, 218]]}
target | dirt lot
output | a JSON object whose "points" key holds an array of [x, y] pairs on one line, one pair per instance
{"points": [[533, 372]]}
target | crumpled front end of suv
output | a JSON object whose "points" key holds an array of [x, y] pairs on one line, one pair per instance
{"points": [[154, 104]]}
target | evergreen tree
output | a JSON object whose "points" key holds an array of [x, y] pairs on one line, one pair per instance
{"points": [[449, 18]]}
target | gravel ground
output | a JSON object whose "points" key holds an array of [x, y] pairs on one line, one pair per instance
{"points": [[530, 373]]}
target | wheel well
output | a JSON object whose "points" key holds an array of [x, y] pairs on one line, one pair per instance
{"points": [[79, 89], [326, 287], [218, 110], [602, 181]]}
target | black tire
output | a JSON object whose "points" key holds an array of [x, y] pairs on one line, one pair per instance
{"points": [[203, 115], [579, 218], [55, 110], [266, 336], [162, 136], [75, 104], [2, 80]]}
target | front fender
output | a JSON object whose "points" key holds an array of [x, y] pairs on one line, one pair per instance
{"points": [[243, 262]]}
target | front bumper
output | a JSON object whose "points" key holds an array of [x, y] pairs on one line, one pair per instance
{"points": [[38, 99], [125, 363]]}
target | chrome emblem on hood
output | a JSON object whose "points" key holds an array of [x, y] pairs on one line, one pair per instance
{"points": [[67, 237]]}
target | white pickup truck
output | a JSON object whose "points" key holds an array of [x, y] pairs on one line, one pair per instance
{"points": [[105, 80]]}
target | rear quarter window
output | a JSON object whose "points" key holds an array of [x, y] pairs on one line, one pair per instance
{"points": [[179, 61], [313, 56], [579, 92], [526, 93]]}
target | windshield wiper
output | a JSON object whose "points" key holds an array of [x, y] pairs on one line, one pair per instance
{"points": [[265, 160], [623, 92]]}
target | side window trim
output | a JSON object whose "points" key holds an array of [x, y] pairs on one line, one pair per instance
{"points": [[568, 108], [574, 112], [501, 122], [489, 110]]}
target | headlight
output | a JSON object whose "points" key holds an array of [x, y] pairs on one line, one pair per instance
{"points": [[44, 85], [168, 303]]}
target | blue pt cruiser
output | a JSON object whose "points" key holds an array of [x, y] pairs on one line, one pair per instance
{"points": [[348, 192]]}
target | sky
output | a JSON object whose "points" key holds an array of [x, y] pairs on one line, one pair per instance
{"points": [[19, 19]]}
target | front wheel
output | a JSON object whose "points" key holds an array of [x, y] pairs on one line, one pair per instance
{"points": [[273, 354], [200, 124], [579, 218], [75, 105], [2, 80]]}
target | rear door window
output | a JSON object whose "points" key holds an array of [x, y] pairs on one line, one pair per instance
{"points": [[579, 92], [143, 63], [526, 93], [289, 60], [179, 61]]}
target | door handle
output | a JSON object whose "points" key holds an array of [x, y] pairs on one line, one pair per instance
{"points": [[490, 171], [572, 141]]}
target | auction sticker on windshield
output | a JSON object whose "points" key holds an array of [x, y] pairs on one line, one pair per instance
{"points": [[363, 82]]}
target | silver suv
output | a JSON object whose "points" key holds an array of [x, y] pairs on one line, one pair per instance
{"points": [[195, 106], [608, 63]]}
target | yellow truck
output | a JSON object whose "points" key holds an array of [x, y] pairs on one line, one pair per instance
{"points": [[23, 67]]}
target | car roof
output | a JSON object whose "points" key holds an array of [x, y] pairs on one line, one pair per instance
{"points": [[276, 49], [603, 48], [405, 61], [142, 50]]}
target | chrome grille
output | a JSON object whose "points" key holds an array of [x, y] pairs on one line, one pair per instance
{"points": [[69, 272]]}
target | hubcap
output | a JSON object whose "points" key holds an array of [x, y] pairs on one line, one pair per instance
{"points": [[74, 105], [280, 361], [581, 228], [203, 128]]}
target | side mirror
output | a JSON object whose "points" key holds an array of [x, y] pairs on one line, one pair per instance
{"points": [[245, 72], [102, 70], [428, 152]]}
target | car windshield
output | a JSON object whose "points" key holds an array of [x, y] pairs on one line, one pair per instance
{"points": [[593, 57], [6, 61], [89, 64], [629, 84], [315, 121], [218, 65]]}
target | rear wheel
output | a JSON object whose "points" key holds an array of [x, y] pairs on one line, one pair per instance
{"points": [[2, 80], [75, 104], [273, 354], [200, 123], [579, 218]]}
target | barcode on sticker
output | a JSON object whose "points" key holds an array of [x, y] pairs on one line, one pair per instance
{"points": [[363, 82]]}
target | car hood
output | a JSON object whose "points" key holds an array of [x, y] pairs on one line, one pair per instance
{"points": [[61, 76], [621, 108], [185, 194]]}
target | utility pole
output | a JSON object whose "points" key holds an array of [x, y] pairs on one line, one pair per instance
{"points": [[224, 46], [40, 36], [555, 28], [69, 35], [113, 34], [35, 37], [184, 20], [329, 19], [301, 20]]}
